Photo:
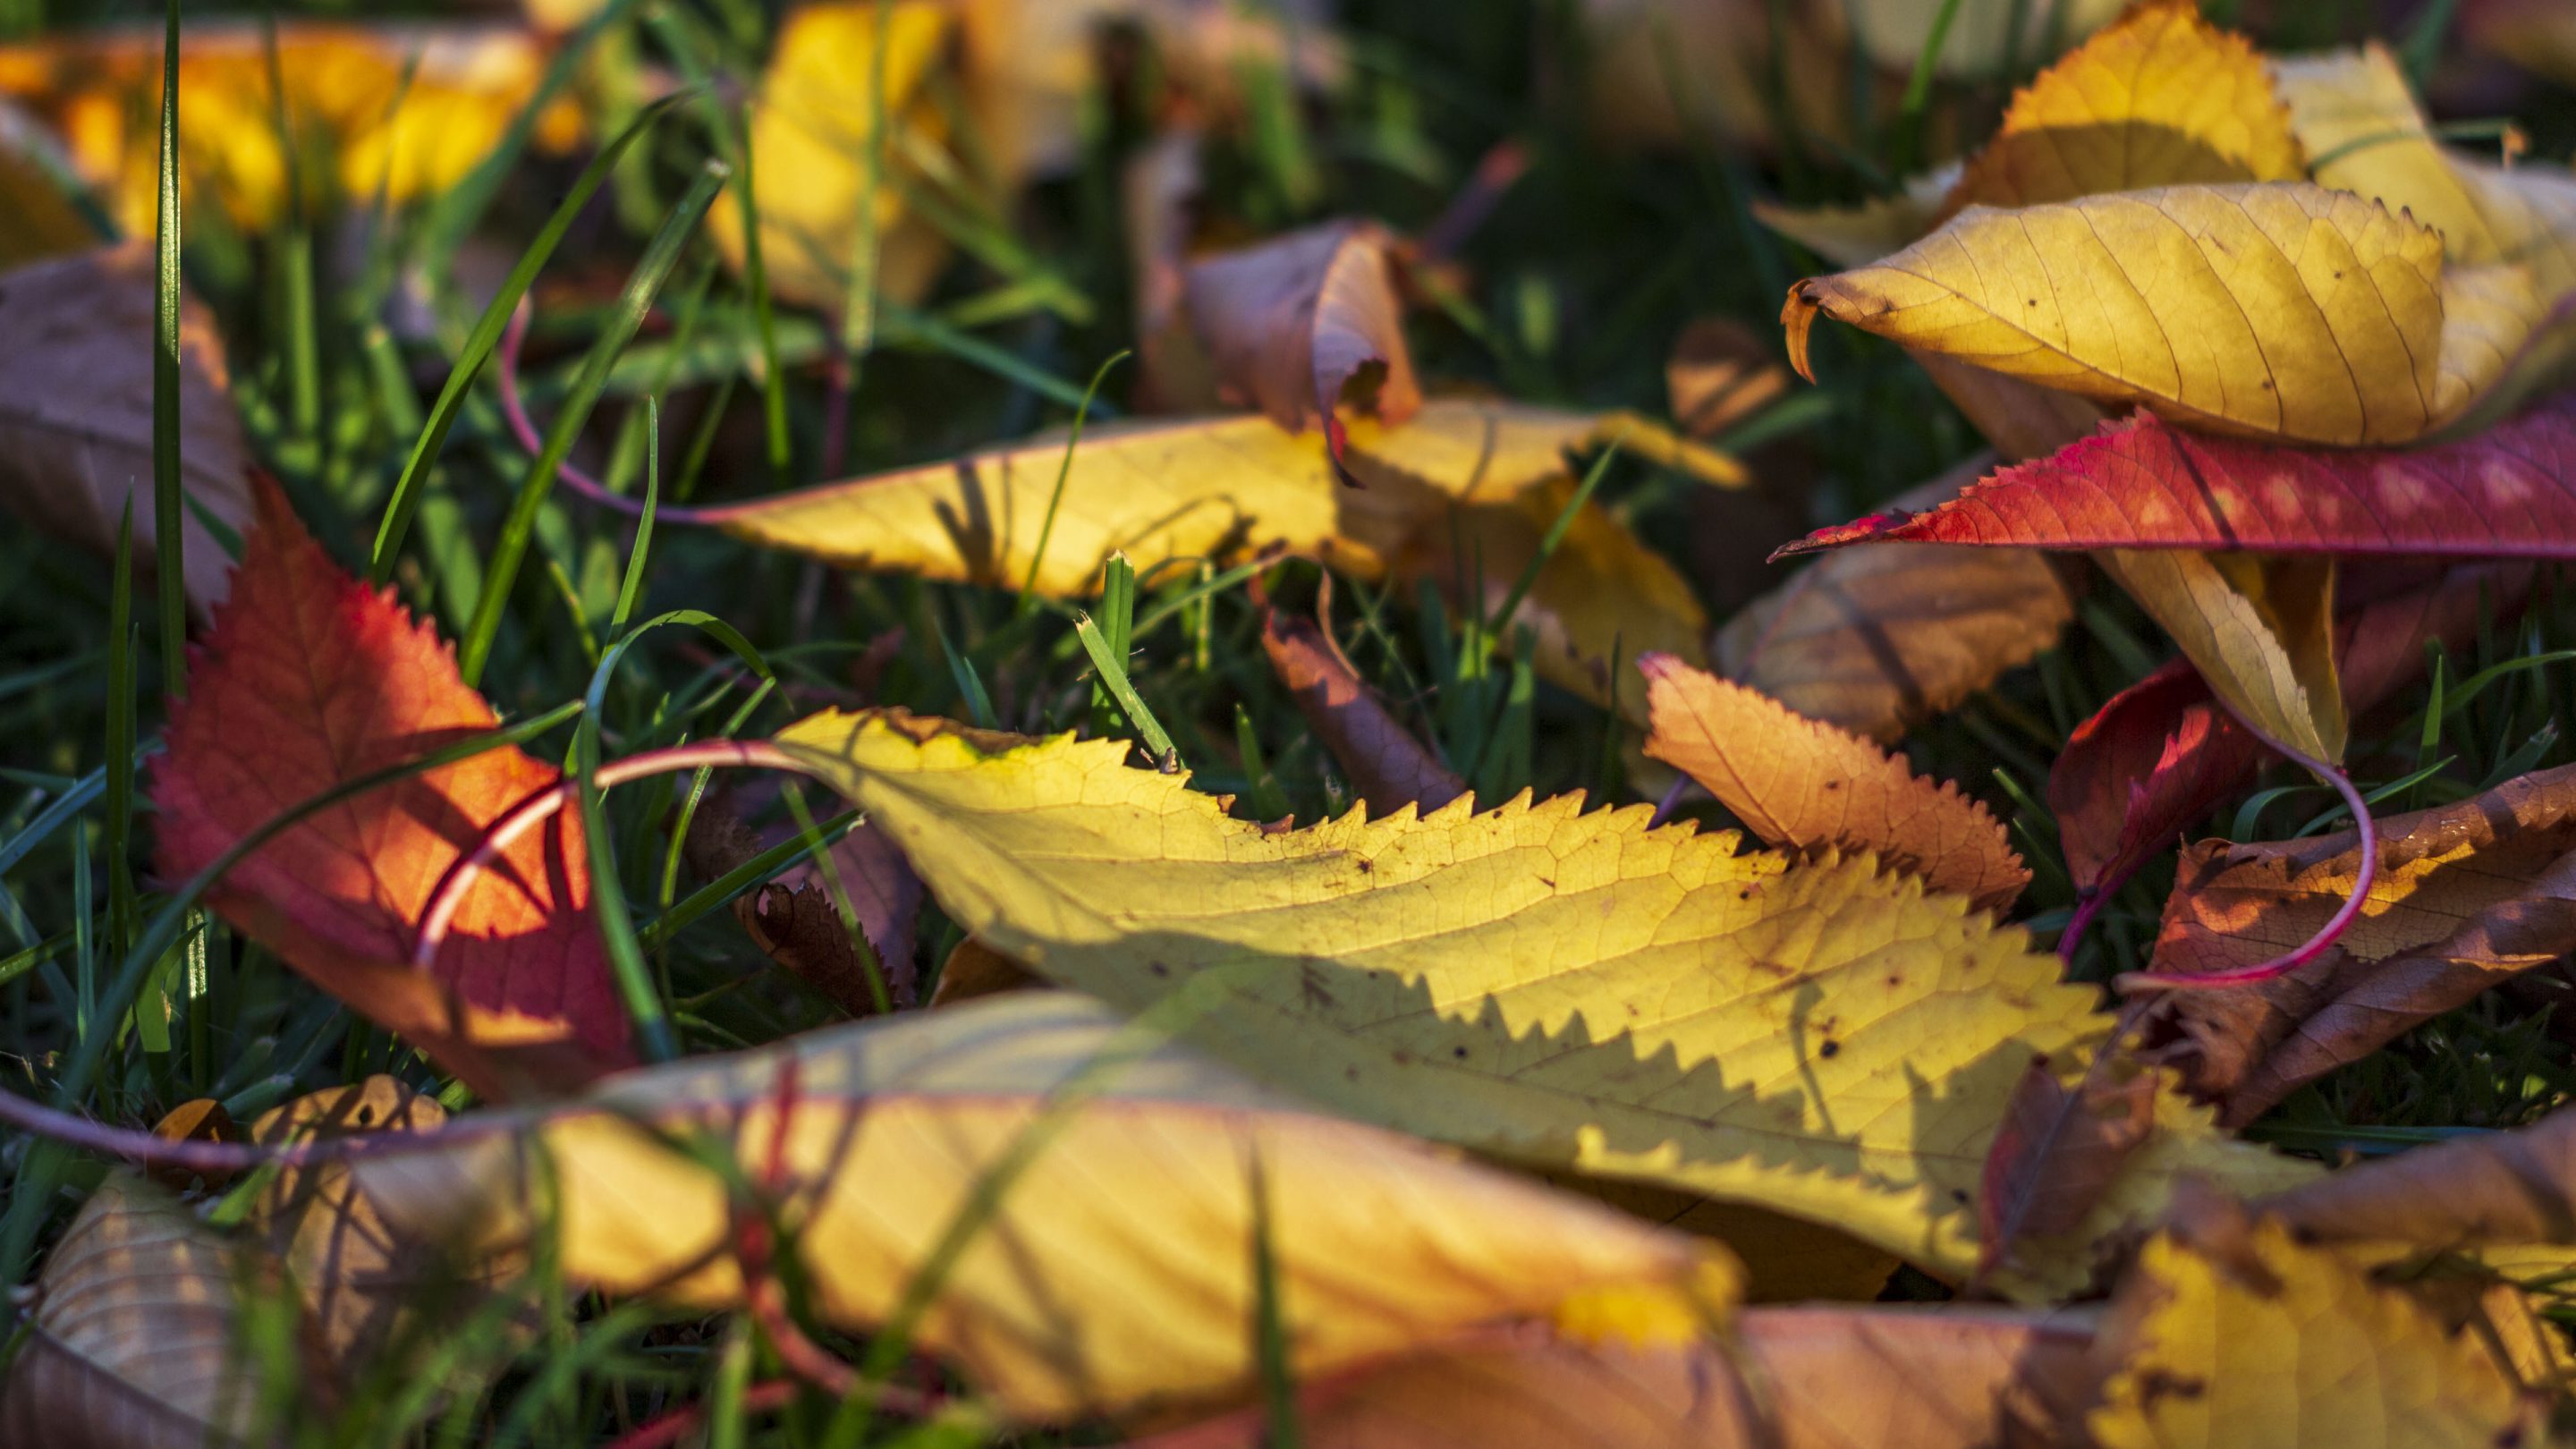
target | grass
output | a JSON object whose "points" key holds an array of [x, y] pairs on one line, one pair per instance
{"points": [[1575, 289]]}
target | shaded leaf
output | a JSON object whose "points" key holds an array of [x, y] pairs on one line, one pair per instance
{"points": [[310, 679], [2366, 337], [1877, 640], [795, 919], [76, 410], [2259, 630], [1560, 989], [1294, 323], [2490, 1188], [974, 969], [1719, 374], [1895, 33], [2059, 1150], [200, 1119], [1856, 235], [1114, 1274], [2289, 1345], [1786, 1259], [1798, 783], [2017, 419], [2144, 483], [37, 220], [2467, 896], [1386, 764], [2159, 98], [132, 1341]]}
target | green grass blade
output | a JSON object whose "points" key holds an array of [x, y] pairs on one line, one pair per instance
{"points": [[166, 510], [1113, 672]]}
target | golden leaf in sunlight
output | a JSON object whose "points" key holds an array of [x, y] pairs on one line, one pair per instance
{"points": [[1131, 1180], [2277, 311], [2266, 1342], [1562, 989], [350, 117], [2260, 631]]}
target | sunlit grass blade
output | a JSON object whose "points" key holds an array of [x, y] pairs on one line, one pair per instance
{"points": [[166, 510], [1113, 673]]}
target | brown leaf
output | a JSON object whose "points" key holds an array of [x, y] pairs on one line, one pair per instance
{"points": [[1800, 783], [1876, 640], [2468, 896], [76, 411], [1386, 764], [2493, 1189], [1721, 372], [131, 1341], [1156, 191], [2058, 1150], [795, 919], [975, 969], [202, 1119], [1297, 323]]}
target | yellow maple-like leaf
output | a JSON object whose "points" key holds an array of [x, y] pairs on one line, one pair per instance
{"points": [[2284, 1344], [1115, 1270], [1568, 990], [818, 163], [353, 116], [2161, 98], [2279, 311]]}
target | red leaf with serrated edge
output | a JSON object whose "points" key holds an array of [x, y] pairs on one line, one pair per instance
{"points": [[2509, 492], [309, 679], [2162, 753]]}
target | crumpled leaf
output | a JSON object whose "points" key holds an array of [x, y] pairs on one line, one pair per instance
{"points": [[795, 918], [815, 152], [2161, 97], [310, 679], [2161, 755], [1877, 640], [1828, 1377], [1115, 1274], [2259, 630], [406, 109], [76, 411], [2366, 336], [2290, 1345], [1798, 783], [1386, 764], [1559, 989], [2489, 1189], [2145, 483], [1295, 323], [2467, 895], [133, 1333]]}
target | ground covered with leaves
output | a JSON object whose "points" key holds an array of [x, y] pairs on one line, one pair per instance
{"points": [[942, 722]]}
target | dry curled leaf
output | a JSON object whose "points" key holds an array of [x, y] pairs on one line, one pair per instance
{"points": [[1298, 325], [1114, 1272], [1386, 764], [1796, 782], [1568, 990], [308, 680], [796, 918], [2467, 896], [76, 411], [1877, 640], [133, 1333], [2149, 297]]}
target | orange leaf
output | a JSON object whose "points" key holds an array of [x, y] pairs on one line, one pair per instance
{"points": [[1386, 764], [310, 679], [1797, 782]]}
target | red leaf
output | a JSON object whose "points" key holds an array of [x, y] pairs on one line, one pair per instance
{"points": [[309, 679], [2509, 492], [2162, 753]]}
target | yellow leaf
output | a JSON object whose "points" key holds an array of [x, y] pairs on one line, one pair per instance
{"points": [[1566, 990], [2278, 311], [2162, 98], [2290, 1345], [815, 151], [1116, 1270], [1856, 235], [2260, 631]]}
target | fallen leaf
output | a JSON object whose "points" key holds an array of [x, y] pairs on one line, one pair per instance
{"points": [[795, 919], [2017, 419], [132, 1337], [1671, 72], [1156, 192], [2159, 98], [310, 679], [1980, 34], [1785, 1259], [1877, 640], [1564, 990], [815, 153], [2144, 483], [405, 109], [2467, 895], [1385, 763], [1798, 1378], [1298, 325], [1067, 1301], [2485, 1189], [37, 217], [2059, 1150], [2538, 35], [2259, 630], [2161, 755], [200, 1119], [2293, 1345], [1809, 786], [1856, 235], [974, 969], [76, 411], [2367, 337], [1720, 373]]}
